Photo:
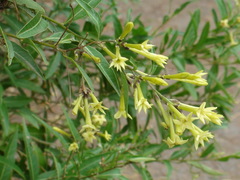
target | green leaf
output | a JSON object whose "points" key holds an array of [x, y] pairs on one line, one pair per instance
{"points": [[8, 46], [57, 166], [28, 115], [38, 50], [222, 8], [208, 150], [24, 83], [169, 168], [191, 90], [29, 4], [116, 173], [141, 159], [205, 168], [6, 171], [53, 65], [143, 172], [232, 156], [79, 11], [109, 73], [178, 10], [190, 34], [35, 26], [4, 119], [92, 14], [6, 162], [117, 26], [83, 72], [71, 126], [16, 101], [203, 36], [66, 39], [32, 160], [50, 129], [125, 90], [23, 56]]}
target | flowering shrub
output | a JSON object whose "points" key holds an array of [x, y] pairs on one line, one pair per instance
{"points": [[72, 99]]}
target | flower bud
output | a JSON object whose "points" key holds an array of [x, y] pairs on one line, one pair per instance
{"points": [[127, 29]]}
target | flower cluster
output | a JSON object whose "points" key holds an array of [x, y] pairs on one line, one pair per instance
{"points": [[94, 114], [175, 121], [178, 123]]}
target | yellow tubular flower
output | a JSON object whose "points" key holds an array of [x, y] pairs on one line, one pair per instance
{"points": [[224, 23], [204, 114], [88, 127], [155, 80], [108, 51], [73, 147], [107, 136], [87, 113], [232, 41], [96, 105], [122, 110], [94, 58], [89, 136], [140, 101], [174, 139], [61, 131], [189, 78], [144, 46], [118, 62], [77, 105], [200, 136], [157, 58], [98, 119], [127, 29]]}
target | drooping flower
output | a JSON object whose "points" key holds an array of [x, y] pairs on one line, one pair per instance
{"points": [[89, 136], [73, 147], [107, 136], [77, 105], [98, 119], [157, 58], [139, 100], [224, 23], [122, 110], [200, 136], [96, 105], [118, 62], [92, 57], [144, 46], [204, 114], [155, 80], [189, 78], [183, 124]]}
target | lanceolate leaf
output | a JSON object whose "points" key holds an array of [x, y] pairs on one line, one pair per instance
{"points": [[38, 50], [53, 65], [205, 168], [92, 14], [35, 26], [31, 157], [4, 160], [23, 56], [104, 68], [4, 118], [80, 13], [30, 4], [9, 47], [6, 171], [84, 74]]}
